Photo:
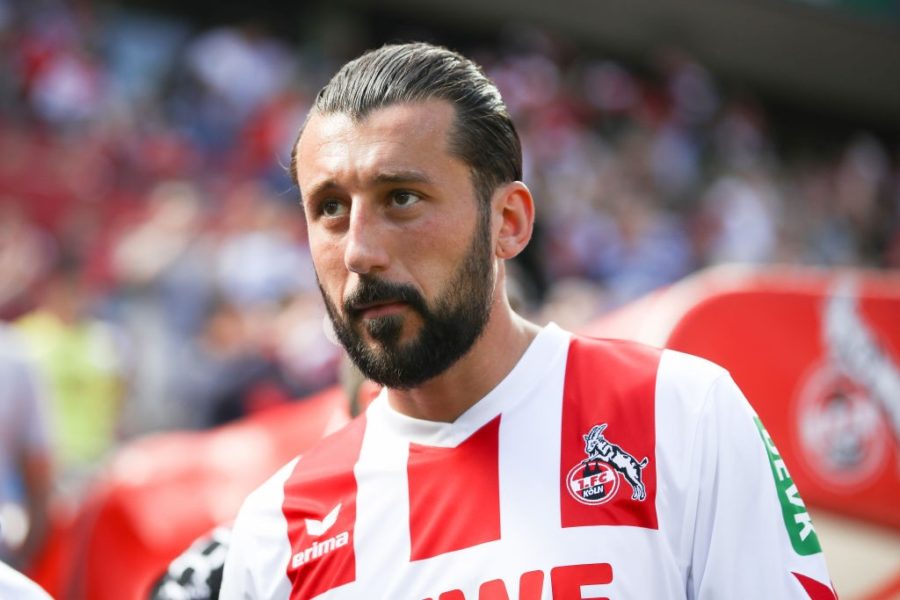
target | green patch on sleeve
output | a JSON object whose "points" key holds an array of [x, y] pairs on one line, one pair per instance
{"points": [[796, 517]]}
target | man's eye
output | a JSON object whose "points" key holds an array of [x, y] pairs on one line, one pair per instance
{"points": [[405, 198], [331, 208]]}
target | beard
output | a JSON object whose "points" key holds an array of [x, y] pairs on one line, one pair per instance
{"points": [[450, 325]]}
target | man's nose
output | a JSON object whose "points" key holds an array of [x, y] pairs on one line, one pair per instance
{"points": [[365, 250]]}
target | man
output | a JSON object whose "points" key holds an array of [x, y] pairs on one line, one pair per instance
{"points": [[501, 460]]}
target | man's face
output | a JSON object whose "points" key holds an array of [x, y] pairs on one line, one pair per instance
{"points": [[401, 244]]}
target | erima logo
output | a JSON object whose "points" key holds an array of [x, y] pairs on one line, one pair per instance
{"points": [[319, 549], [316, 528]]}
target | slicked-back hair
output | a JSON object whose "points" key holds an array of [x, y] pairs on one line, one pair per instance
{"points": [[483, 135]]}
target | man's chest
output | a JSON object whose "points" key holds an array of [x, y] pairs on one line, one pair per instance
{"points": [[497, 516], [556, 493], [465, 543]]}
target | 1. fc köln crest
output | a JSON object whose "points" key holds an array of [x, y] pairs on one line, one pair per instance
{"points": [[596, 479], [607, 462]]}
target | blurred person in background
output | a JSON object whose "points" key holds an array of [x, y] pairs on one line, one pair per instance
{"points": [[235, 71], [863, 203], [162, 269], [743, 211], [80, 358], [247, 359], [261, 256], [261, 341], [26, 473], [225, 369]]}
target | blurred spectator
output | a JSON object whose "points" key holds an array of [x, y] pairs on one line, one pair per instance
{"points": [[860, 186], [240, 66], [739, 136], [232, 368], [743, 214], [223, 368], [166, 258], [162, 270], [25, 454], [261, 259], [649, 251], [80, 359], [68, 89], [690, 87], [141, 50], [236, 69]]}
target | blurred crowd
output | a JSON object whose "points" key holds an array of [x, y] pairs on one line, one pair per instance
{"points": [[152, 250]]}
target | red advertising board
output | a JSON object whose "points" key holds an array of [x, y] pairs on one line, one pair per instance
{"points": [[817, 353]]}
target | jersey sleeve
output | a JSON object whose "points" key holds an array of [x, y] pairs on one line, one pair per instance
{"points": [[753, 537], [259, 551]]}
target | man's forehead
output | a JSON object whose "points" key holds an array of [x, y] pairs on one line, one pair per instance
{"points": [[430, 117], [332, 137]]}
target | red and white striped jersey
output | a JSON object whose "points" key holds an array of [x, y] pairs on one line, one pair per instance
{"points": [[595, 469]]}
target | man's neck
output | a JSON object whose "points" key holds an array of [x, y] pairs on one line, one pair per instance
{"points": [[505, 339]]}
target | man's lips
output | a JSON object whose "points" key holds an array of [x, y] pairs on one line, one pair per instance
{"points": [[373, 310]]}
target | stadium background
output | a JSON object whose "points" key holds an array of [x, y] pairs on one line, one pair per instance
{"points": [[152, 248]]}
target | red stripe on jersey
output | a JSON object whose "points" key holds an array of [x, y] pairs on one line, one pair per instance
{"points": [[608, 461], [320, 510], [815, 589], [454, 494]]}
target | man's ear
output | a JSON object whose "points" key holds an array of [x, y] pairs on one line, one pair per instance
{"points": [[513, 210]]}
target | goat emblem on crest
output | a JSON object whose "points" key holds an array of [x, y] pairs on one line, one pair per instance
{"points": [[595, 479]]}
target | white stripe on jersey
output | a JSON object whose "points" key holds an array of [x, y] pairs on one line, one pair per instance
{"points": [[259, 541]]}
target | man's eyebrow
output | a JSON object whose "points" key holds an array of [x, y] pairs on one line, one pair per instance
{"points": [[404, 176], [318, 188]]}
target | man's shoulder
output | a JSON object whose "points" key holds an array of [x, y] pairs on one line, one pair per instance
{"points": [[323, 462], [643, 358], [268, 496], [336, 445], [600, 348], [622, 368]]}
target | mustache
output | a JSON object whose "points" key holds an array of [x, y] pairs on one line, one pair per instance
{"points": [[372, 290]]}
